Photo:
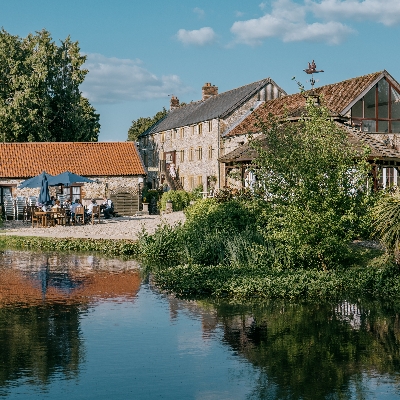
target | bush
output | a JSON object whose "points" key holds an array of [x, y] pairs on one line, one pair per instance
{"points": [[180, 199]]}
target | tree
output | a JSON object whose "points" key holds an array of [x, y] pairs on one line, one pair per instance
{"points": [[141, 124], [40, 98], [315, 182]]}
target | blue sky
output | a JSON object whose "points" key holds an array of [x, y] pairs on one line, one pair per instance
{"points": [[139, 52]]}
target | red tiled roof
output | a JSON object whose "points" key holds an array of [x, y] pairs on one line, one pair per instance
{"points": [[337, 97], [24, 160]]}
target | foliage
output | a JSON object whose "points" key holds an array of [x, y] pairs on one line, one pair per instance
{"points": [[105, 246], [315, 184], [40, 98], [151, 195], [180, 199], [141, 124], [386, 215], [196, 193]]}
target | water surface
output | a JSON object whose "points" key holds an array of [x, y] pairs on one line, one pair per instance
{"points": [[84, 327]]}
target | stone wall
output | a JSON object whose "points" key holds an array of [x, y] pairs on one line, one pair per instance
{"points": [[101, 188], [193, 169]]}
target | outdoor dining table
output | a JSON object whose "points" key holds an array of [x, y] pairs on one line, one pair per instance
{"points": [[47, 215]]}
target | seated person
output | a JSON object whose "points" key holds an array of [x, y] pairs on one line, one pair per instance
{"points": [[90, 207], [57, 207], [75, 204], [107, 207]]}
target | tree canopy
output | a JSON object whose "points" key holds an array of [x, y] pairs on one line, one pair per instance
{"points": [[141, 124], [40, 98]]}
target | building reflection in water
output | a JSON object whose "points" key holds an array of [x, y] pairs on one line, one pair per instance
{"points": [[306, 350], [42, 297]]}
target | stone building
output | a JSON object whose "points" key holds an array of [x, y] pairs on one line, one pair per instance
{"points": [[189, 137], [115, 168], [367, 107]]}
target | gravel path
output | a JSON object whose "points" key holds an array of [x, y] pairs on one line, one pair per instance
{"points": [[114, 228]]}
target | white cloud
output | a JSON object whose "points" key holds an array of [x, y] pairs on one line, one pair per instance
{"points": [[287, 21], [198, 37], [263, 5], [115, 80], [239, 14], [200, 13], [386, 12]]}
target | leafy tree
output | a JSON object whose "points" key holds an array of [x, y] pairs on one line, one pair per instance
{"points": [[315, 182], [40, 98], [141, 124]]}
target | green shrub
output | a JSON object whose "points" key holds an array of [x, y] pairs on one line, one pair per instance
{"points": [[180, 199]]}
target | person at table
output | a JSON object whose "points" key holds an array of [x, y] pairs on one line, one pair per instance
{"points": [[107, 208], [90, 206], [56, 208], [75, 204]]}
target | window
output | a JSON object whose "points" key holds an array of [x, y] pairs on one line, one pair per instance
{"points": [[199, 153], [162, 137], [182, 156], [192, 128], [182, 179], [199, 180], [379, 109], [191, 182], [145, 159], [200, 128], [210, 124], [182, 133], [210, 152], [73, 192], [173, 134], [191, 154]]}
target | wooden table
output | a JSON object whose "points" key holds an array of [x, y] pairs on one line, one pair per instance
{"points": [[47, 215]]}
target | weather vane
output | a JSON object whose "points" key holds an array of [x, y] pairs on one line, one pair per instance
{"points": [[312, 69]]}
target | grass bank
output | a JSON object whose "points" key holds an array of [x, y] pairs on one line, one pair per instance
{"points": [[109, 247]]}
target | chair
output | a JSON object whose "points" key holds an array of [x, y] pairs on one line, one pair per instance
{"points": [[95, 214], [36, 218], [20, 207], [9, 209], [80, 213], [61, 217], [32, 200]]}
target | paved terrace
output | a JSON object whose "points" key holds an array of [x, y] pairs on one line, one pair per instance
{"points": [[114, 228]]}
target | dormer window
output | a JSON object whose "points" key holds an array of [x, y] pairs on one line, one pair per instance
{"points": [[379, 109]]}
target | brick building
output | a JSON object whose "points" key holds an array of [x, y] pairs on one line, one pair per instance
{"points": [[189, 137]]}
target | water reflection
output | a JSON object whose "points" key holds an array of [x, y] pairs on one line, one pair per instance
{"points": [[42, 298], [314, 351], [81, 324]]}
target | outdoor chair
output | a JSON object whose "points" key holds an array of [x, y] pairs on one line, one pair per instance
{"points": [[20, 207], [79, 215], [36, 218], [95, 214], [60, 217], [32, 200], [9, 209]]}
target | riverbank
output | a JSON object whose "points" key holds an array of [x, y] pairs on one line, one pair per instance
{"points": [[120, 228]]}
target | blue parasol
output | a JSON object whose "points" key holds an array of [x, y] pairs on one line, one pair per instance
{"points": [[67, 178], [35, 182], [44, 195]]}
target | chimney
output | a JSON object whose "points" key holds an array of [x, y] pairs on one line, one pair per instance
{"points": [[209, 91], [174, 103]]}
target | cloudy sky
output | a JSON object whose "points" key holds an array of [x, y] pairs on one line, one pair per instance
{"points": [[141, 52]]}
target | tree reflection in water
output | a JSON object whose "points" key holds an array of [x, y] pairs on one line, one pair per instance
{"points": [[314, 351], [37, 342], [42, 297]]}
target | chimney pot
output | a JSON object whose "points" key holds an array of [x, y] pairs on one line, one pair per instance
{"points": [[174, 103], [209, 90]]}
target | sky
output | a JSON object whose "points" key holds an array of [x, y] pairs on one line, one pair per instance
{"points": [[139, 53]]}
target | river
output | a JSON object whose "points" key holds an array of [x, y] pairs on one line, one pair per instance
{"points": [[86, 327]]}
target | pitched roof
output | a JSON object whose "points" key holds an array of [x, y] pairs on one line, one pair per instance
{"points": [[378, 150], [338, 98], [23, 160], [217, 106]]}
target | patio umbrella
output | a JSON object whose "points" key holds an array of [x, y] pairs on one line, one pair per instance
{"points": [[44, 195], [67, 178], [36, 181]]}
